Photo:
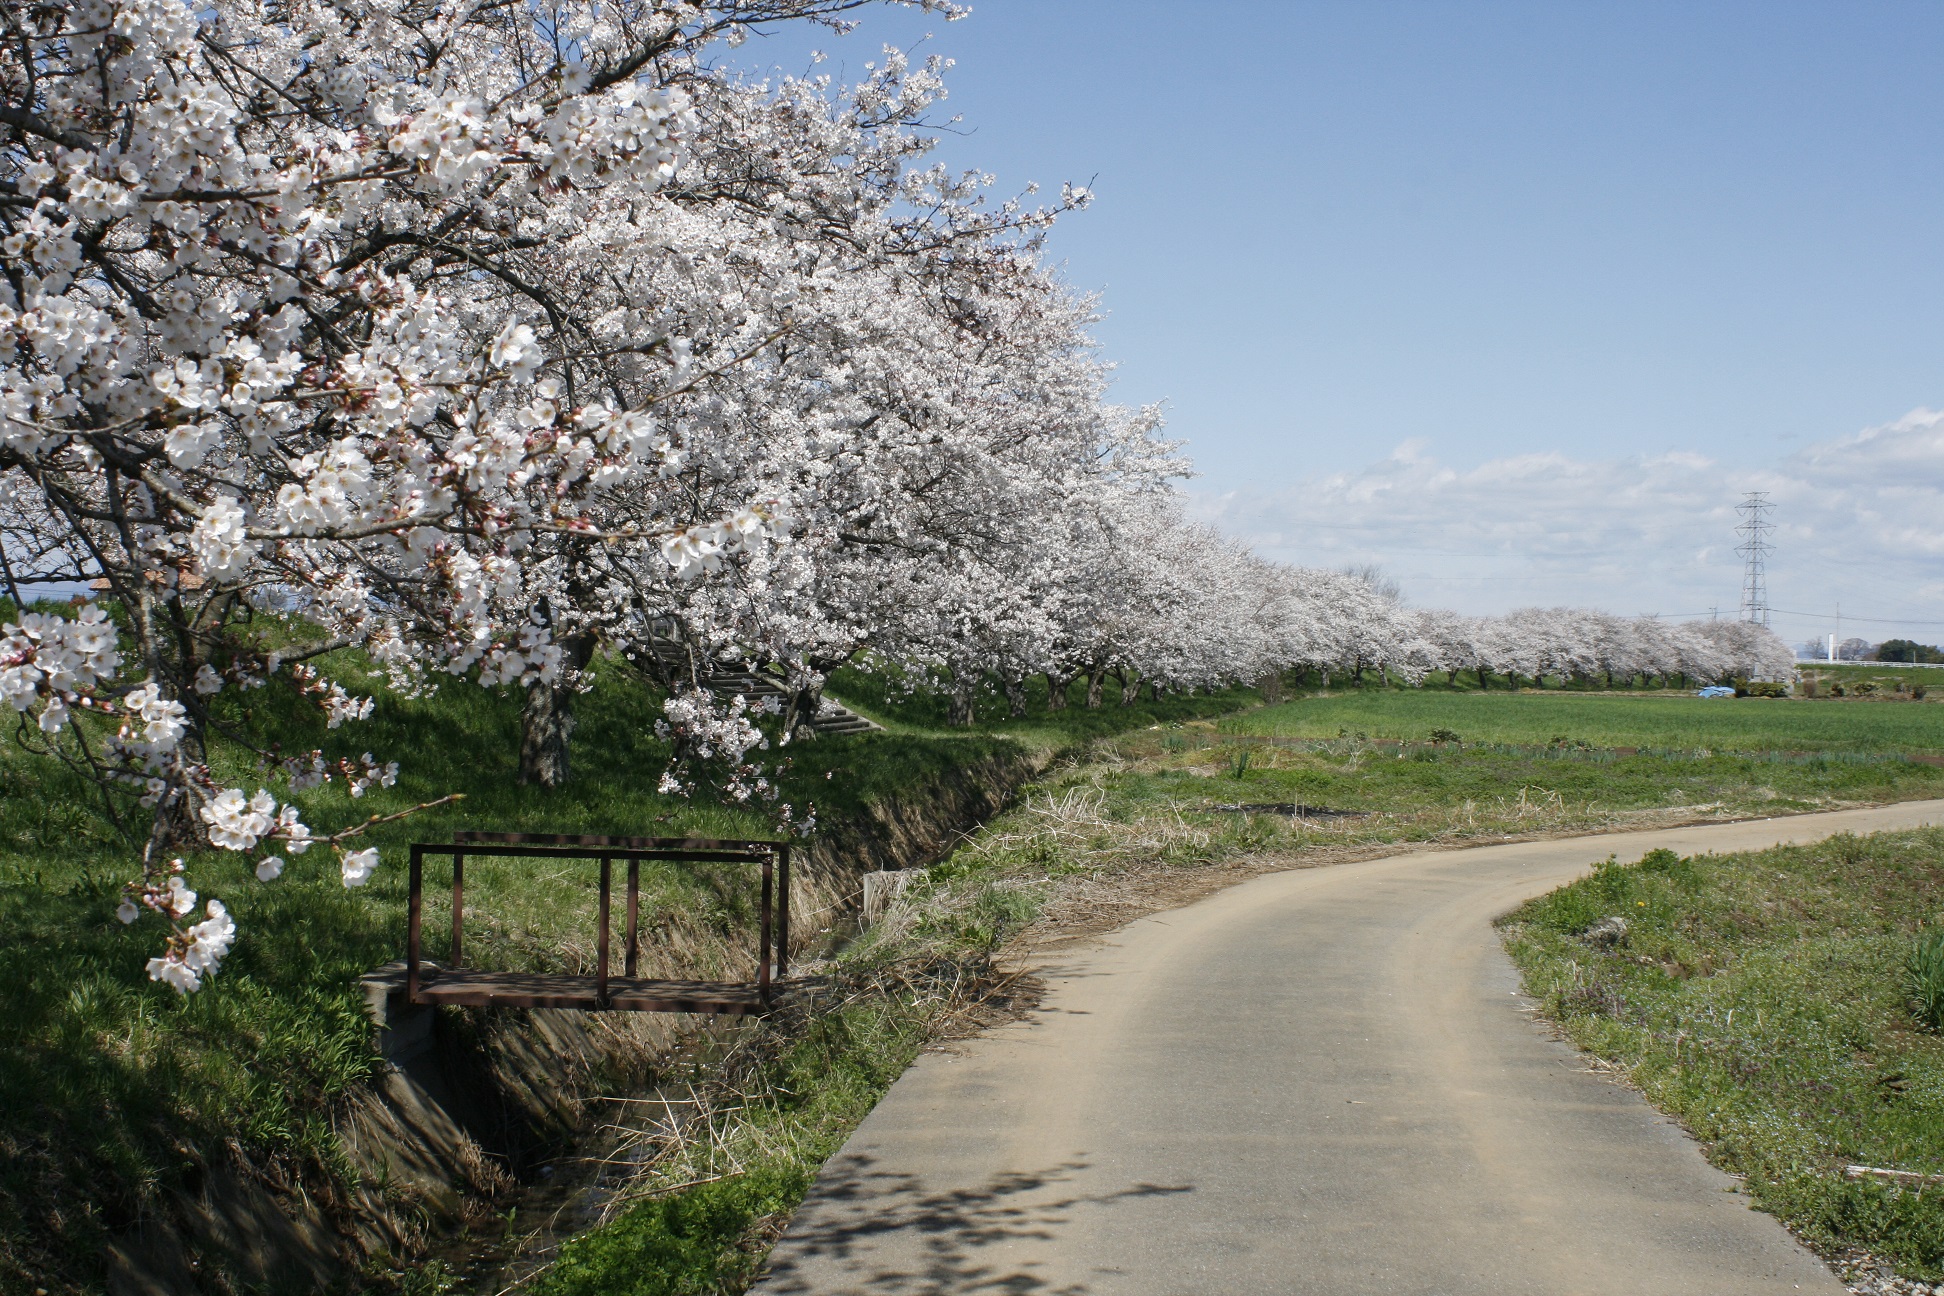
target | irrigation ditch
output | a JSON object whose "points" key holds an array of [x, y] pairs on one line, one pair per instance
{"points": [[487, 1134]]}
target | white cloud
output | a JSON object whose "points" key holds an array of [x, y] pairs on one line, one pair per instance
{"points": [[1859, 519]]}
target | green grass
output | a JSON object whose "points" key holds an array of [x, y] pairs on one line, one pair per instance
{"points": [[1925, 968], [1424, 793], [1609, 720], [1762, 999], [115, 1092]]}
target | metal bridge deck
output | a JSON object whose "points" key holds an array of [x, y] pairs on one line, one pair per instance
{"points": [[473, 988]]}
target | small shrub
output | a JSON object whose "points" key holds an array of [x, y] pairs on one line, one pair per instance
{"points": [[1865, 688], [1238, 762], [1445, 736], [1917, 692], [1837, 690], [1569, 911], [1678, 869], [676, 1245], [1925, 969]]}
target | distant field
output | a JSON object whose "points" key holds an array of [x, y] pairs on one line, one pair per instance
{"points": [[1609, 720]]}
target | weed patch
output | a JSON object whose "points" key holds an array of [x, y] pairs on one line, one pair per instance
{"points": [[1764, 1000], [1925, 968]]}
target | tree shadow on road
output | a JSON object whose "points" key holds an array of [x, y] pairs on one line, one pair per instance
{"points": [[882, 1232]]}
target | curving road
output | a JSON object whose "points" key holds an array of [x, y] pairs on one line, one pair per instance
{"points": [[1320, 1081]]}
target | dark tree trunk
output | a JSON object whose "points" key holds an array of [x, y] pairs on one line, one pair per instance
{"points": [[799, 717], [547, 719], [1095, 678], [1130, 682], [1016, 698], [1056, 690], [961, 713]]}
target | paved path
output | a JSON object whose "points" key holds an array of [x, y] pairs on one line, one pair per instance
{"points": [[1320, 1081]]}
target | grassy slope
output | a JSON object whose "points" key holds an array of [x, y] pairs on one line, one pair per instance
{"points": [[1760, 999], [113, 1089], [1611, 720], [793, 1114], [884, 697]]}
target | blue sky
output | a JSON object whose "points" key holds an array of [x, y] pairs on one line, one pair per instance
{"points": [[1504, 244]]}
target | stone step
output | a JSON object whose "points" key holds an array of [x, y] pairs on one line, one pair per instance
{"points": [[848, 725]]}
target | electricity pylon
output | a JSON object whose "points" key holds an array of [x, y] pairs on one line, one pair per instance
{"points": [[1755, 549]]}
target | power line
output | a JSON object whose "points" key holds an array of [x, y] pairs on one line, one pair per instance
{"points": [[1755, 548], [1826, 616]]}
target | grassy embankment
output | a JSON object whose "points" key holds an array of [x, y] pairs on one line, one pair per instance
{"points": [[115, 1093], [1762, 1000], [1138, 810]]}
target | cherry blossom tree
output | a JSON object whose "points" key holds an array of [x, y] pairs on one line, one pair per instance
{"points": [[296, 317]]}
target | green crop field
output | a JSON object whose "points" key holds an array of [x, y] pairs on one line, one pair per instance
{"points": [[1609, 720]]}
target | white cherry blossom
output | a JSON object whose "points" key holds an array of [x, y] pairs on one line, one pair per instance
{"points": [[358, 866]]}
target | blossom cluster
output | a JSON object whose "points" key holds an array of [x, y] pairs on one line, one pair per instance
{"points": [[195, 951], [54, 662], [706, 734]]}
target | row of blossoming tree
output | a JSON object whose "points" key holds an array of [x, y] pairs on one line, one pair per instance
{"points": [[483, 338], [1188, 609]]}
